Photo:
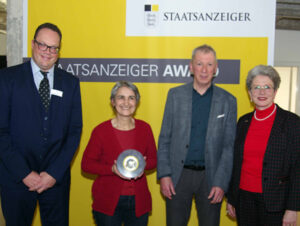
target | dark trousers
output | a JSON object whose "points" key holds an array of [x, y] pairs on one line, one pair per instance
{"points": [[18, 206], [124, 213], [191, 184], [251, 211]]}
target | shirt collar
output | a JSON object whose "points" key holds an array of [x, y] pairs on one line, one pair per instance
{"points": [[208, 91], [36, 69]]}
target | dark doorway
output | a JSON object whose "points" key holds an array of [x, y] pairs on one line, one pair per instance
{"points": [[3, 62]]}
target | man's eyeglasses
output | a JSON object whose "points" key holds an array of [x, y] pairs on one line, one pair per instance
{"points": [[265, 88], [44, 47]]}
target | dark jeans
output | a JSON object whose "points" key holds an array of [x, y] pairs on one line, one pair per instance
{"points": [[124, 213]]}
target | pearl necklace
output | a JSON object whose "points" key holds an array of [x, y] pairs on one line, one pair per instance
{"points": [[265, 117]]}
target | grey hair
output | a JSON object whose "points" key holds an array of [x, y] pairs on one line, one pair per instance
{"points": [[265, 70], [127, 84], [205, 49]]}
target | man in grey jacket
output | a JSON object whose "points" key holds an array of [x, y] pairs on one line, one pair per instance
{"points": [[195, 147]]}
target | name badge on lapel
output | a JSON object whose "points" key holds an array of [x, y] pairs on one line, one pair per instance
{"points": [[56, 92]]}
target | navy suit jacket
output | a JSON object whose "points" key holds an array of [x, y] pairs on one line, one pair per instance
{"points": [[281, 163], [30, 138]]}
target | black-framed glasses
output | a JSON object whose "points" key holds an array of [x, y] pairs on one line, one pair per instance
{"points": [[44, 47]]}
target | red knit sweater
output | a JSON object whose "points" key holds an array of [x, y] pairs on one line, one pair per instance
{"points": [[105, 145], [254, 150]]}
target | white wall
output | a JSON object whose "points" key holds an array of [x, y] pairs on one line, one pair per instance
{"points": [[287, 48], [287, 53]]}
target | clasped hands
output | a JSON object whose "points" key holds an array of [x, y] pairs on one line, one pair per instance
{"points": [[39, 182]]}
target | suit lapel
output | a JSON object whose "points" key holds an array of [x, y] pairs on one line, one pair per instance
{"points": [[243, 127], [214, 105], [28, 79], [278, 126], [188, 99], [216, 102], [32, 92], [56, 100]]}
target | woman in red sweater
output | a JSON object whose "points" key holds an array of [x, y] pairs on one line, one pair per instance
{"points": [[117, 199], [265, 184]]}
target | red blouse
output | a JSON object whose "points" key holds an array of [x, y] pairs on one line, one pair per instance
{"points": [[254, 150], [105, 145]]}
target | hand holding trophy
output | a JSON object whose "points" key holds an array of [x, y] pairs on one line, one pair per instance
{"points": [[130, 163]]}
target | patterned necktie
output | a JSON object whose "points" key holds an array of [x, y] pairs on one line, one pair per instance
{"points": [[44, 91]]}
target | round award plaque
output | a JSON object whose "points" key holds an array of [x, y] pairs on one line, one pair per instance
{"points": [[130, 163]]}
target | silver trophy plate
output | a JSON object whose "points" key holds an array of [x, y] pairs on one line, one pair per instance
{"points": [[130, 163]]}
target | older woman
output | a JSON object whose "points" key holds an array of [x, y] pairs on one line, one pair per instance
{"points": [[118, 199], [265, 184]]}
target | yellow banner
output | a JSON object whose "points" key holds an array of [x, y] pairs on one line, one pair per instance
{"points": [[96, 29]]}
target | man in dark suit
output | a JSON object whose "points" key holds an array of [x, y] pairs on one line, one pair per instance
{"points": [[195, 147], [40, 127]]}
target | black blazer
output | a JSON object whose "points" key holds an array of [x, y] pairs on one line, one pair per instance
{"points": [[281, 164]]}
